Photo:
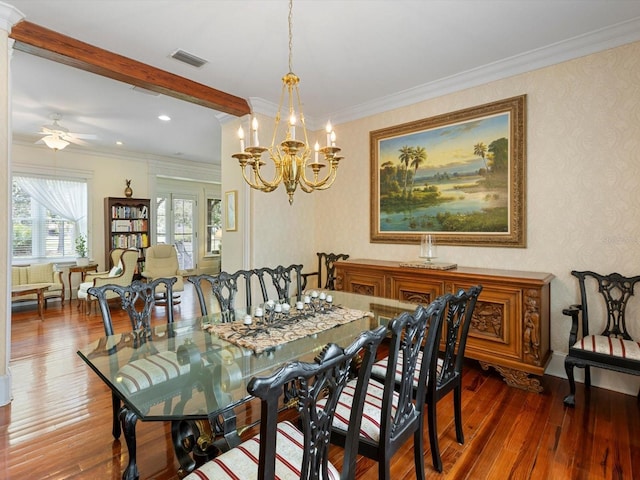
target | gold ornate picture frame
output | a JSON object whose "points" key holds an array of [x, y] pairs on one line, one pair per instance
{"points": [[460, 176]]}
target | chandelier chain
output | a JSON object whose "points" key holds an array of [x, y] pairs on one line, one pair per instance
{"points": [[290, 35]]}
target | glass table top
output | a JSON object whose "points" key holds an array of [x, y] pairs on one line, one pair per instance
{"points": [[182, 370]]}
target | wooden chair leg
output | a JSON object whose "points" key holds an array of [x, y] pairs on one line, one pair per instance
{"points": [[570, 400], [457, 406], [433, 437], [587, 376], [418, 448]]}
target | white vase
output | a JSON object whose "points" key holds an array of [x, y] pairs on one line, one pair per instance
{"points": [[82, 261]]}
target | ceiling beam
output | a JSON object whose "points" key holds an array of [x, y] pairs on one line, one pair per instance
{"points": [[45, 43]]}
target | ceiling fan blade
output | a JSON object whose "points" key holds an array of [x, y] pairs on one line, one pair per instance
{"points": [[86, 136], [75, 140], [58, 131], [55, 128]]}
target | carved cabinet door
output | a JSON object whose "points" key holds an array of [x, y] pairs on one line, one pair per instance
{"points": [[422, 291], [361, 282], [496, 328]]}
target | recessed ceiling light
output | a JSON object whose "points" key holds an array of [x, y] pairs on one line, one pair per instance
{"points": [[164, 118], [118, 142]]}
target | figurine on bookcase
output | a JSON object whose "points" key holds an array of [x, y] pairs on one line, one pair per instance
{"points": [[128, 192]]}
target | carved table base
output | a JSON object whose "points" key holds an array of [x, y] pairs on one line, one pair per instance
{"points": [[516, 378], [129, 419]]}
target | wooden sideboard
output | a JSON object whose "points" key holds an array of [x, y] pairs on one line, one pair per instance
{"points": [[510, 325]]}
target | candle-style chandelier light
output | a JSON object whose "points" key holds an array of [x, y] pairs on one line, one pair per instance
{"points": [[291, 157]]}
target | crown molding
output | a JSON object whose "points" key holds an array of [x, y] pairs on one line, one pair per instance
{"points": [[9, 16], [176, 166], [582, 45]]}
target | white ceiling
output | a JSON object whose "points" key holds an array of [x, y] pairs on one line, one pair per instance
{"points": [[354, 58]]}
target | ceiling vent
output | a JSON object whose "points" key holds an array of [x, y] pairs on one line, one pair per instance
{"points": [[189, 58]]}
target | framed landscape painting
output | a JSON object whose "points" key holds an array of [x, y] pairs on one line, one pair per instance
{"points": [[459, 176]]}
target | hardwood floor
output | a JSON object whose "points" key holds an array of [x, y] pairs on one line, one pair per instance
{"points": [[59, 423]]}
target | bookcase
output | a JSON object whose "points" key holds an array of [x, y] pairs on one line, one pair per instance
{"points": [[127, 225]]}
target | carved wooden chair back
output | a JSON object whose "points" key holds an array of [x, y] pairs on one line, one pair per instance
{"points": [[446, 373], [280, 280], [390, 416], [328, 260], [138, 300], [318, 386], [225, 288], [616, 290], [326, 272], [613, 347]]}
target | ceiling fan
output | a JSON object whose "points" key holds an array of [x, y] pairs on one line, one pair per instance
{"points": [[57, 137]]}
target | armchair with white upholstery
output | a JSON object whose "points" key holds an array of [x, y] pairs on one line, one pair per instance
{"points": [[162, 262], [124, 266]]}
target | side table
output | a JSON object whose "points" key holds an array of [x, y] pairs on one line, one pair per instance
{"points": [[83, 269]]}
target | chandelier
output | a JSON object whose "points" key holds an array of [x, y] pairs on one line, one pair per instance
{"points": [[292, 156]]}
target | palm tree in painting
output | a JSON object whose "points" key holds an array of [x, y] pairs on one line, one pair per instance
{"points": [[480, 149], [406, 154], [419, 157], [387, 178]]}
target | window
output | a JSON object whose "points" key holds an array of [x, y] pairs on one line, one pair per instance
{"points": [[48, 214], [214, 225], [161, 219]]}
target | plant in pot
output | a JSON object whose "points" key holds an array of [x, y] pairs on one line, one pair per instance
{"points": [[81, 250]]}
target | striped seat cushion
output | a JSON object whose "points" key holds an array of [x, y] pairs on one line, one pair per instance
{"points": [[372, 411], [241, 462], [150, 371], [379, 369], [609, 346]]}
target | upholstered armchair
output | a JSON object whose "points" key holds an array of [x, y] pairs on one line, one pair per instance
{"points": [[162, 262], [124, 266]]}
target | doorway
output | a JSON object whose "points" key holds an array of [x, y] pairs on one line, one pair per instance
{"points": [[176, 223]]}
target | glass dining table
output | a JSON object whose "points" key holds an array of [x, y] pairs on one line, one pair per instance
{"points": [[193, 373]]}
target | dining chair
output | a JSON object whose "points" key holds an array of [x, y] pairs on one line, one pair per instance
{"points": [[614, 345], [138, 300], [390, 415], [326, 271], [279, 280], [445, 369], [224, 288], [282, 450]]}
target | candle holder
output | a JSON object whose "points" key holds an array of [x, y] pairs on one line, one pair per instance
{"points": [[428, 248]]}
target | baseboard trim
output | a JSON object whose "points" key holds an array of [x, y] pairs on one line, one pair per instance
{"points": [[5, 389], [618, 382]]}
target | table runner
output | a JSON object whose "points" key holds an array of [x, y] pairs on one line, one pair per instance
{"points": [[261, 336]]}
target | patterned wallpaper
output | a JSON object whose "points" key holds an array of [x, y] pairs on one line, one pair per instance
{"points": [[583, 165]]}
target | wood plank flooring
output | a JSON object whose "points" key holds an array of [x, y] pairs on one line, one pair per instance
{"points": [[59, 423]]}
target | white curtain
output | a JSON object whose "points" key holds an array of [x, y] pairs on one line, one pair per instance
{"points": [[62, 197]]}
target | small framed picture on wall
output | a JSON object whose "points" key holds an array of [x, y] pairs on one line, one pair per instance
{"points": [[231, 204]]}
